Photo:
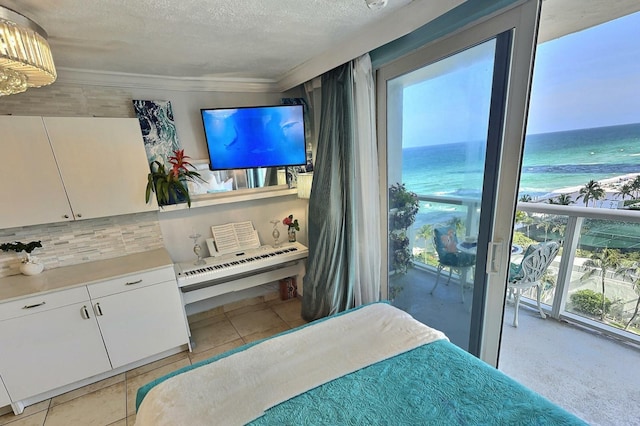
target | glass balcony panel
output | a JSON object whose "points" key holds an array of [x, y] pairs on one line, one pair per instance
{"points": [[622, 283], [607, 263]]}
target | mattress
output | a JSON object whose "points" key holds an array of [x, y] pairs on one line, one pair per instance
{"points": [[372, 365]]}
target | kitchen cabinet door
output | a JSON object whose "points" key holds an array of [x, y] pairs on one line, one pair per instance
{"points": [[32, 191], [103, 164], [4, 396], [140, 323], [49, 349]]}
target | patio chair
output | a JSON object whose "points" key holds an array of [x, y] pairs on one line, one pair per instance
{"points": [[529, 273], [446, 242]]}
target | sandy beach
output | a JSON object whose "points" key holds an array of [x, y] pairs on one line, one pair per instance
{"points": [[611, 187]]}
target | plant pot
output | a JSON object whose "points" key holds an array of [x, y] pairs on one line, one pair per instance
{"points": [[31, 268]]}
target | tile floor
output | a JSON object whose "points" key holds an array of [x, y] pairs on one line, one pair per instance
{"points": [[112, 401]]}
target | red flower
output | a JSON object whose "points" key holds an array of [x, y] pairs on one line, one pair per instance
{"points": [[291, 223], [179, 163]]}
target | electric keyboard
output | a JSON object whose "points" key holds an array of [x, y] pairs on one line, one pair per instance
{"points": [[235, 266]]}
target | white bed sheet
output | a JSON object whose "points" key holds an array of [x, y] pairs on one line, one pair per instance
{"points": [[239, 388]]}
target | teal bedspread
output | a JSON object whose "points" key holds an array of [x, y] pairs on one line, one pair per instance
{"points": [[436, 384]]}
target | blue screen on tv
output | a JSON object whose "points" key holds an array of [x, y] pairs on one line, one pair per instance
{"points": [[250, 137]]}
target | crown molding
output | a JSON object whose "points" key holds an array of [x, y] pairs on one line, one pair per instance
{"points": [[393, 26], [181, 84], [398, 24]]}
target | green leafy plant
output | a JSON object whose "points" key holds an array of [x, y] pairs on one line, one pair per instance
{"points": [[590, 302], [403, 207], [170, 186], [598, 264], [394, 291], [18, 247], [400, 252]]}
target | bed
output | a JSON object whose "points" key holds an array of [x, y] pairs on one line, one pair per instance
{"points": [[370, 365]]}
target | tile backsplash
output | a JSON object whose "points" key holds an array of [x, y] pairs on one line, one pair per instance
{"points": [[71, 243], [60, 100]]}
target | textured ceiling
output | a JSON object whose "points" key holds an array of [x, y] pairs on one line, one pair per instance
{"points": [[258, 40], [196, 38], [561, 17]]}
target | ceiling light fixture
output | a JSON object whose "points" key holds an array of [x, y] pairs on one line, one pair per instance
{"points": [[376, 4], [25, 56]]}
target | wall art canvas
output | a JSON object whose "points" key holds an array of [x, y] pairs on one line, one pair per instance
{"points": [[158, 128]]}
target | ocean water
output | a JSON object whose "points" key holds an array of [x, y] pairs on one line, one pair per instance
{"points": [[551, 161]]}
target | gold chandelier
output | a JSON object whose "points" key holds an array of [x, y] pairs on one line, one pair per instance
{"points": [[25, 56]]}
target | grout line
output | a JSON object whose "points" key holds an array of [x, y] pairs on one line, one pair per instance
{"points": [[126, 399]]}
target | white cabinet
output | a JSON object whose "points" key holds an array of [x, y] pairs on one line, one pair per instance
{"points": [[64, 168], [103, 164], [33, 192], [144, 320], [4, 396], [56, 343], [56, 339]]}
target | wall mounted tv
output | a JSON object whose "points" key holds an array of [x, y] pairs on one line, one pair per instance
{"points": [[251, 137]]}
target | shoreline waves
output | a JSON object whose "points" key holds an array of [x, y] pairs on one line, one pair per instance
{"points": [[609, 185]]}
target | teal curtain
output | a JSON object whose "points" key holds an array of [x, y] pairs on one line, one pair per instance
{"points": [[328, 283]]}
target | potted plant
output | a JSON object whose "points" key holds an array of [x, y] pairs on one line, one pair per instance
{"points": [[30, 265], [293, 227], [170, 186], [403, 207]]}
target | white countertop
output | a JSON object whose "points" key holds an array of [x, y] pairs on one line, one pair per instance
{"points": [[17, 286]]}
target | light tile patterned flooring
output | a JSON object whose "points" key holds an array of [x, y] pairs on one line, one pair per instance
{"points": [[112, 401]]}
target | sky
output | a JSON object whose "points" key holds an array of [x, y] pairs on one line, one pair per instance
{"points": [[450, 102], [583, 80], [588, 79]]}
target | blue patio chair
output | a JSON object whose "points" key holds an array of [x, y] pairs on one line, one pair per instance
{"points": [[529, 273], [446, 242]]}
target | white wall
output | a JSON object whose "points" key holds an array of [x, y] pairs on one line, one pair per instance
{"points": [[179, 224], [186, 111], [83, 100], [75, 100]]}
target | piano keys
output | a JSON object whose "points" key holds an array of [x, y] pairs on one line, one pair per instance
{"points": [[233, 272]]}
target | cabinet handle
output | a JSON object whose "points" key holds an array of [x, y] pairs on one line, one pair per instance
{"points": [[134, 282], [84, 312], [79, 215], [97, 309], [33, 306], [66, 216]]}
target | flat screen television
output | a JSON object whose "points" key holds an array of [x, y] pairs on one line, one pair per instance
{"points": [[251, 137]]}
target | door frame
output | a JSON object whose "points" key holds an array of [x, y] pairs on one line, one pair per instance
{"points": [[521, 18]]}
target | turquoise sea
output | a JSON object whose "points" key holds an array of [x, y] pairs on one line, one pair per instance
{"points": [[551, 161]]}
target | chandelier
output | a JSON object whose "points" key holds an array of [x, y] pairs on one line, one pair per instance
{"points": [[25, 56]]}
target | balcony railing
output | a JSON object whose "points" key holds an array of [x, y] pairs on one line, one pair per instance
{"points": [[573, 285]]}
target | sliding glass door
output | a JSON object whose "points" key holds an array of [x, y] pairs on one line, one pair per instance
{"points": [[438, 117], [443, 119]]}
